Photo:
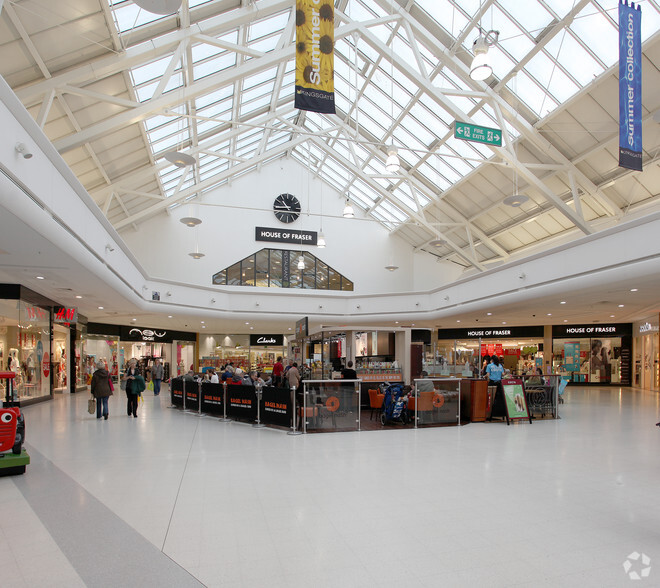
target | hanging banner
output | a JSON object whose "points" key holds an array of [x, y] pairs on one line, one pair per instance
{"points": [[630, 86], [315, 43]]}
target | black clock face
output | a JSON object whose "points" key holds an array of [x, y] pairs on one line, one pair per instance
{"points": [[286, 208]]}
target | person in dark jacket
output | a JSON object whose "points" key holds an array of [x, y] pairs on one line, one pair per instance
{"points": [[101, 390], [134, 386]]}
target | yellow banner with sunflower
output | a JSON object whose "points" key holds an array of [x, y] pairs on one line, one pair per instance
{"points": [[315, 59]]}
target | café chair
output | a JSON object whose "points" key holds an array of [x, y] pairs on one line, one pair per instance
{"points": [[375, 402]]}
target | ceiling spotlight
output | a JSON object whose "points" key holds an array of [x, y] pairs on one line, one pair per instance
{"points": [[611, 316], [563, 302], [109, 248], [515, 200], [191, 221], [620, 305], [133, 319], [320, 242], [179, 159], [348, 209], [489, 313], [633, 289], [169, 316], [196, 255], [23, 150], [159, 6], [391, 268], [100, 308], [79, 297], [481, 68], [392, 164], [301, 263]]}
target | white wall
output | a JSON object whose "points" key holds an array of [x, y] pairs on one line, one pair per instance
{"points": [[358, 248]]}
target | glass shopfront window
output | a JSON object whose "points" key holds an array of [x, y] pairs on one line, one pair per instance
{"points": [[25, 348], [105, 349]]}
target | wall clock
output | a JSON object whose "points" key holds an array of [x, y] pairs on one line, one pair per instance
{"points": [[286, 208]]}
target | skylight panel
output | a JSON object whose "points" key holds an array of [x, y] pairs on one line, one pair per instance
{"points": [[208, 67], [150, 71], [597, 33], [254, 105], [266, 44], [528, 91], [130, 16], [405, 199], [377, 214], [446, 14], [266, 26], [433, 176], [551, 77], [215, 96], [531, 15], [417, 130], [575, 58], [394, 213], [443, 169]]}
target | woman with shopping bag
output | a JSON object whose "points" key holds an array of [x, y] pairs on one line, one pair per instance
{"points": [[102, 388]]}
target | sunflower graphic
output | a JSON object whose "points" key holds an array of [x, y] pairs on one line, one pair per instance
{"points": [[315, 35]]}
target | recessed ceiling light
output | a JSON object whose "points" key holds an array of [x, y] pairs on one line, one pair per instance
{"points": [[620, 305], [633, 289], [78, 297], [290, 329], [549, 314], [489, 314], [203, 326], [40, 278], [396, 322], [251, 328], [247, 323], [565, 320], [563, 302], [169, 316], [134, 319], [611, 316], [412, 324], [100, 308], [504, 322], [202, 322]]}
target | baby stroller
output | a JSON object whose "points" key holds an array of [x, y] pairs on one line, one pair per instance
{"points": [[394, 406]]}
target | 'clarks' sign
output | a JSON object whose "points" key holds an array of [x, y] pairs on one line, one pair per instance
{"points": [[277, 340]]}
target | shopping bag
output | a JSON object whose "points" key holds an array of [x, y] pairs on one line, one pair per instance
{"points": [[91, 405], [150, 385]]}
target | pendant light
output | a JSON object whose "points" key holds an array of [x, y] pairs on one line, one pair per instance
{"points": [[159, 6], [391, 267], [191, 221], [179, 159], [320, 241], [301, 263], [481, 69], [196, 254], [392, 164], [348, 209]]}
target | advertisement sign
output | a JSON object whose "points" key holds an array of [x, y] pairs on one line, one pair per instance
{"points": [[176, 391], [212, 395], [295, 236], [242, 402], [572, 356], [315, 44], [191, 390], [514, 396], [301, 329], [277, 340], [276, 408], [630, 86]]}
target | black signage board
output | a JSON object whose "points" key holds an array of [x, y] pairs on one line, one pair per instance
{"points": [[276, 408], [277, 340], [420, 336], [594, 331], [155, 335], [176, 391], [502, 332], [302, 328], [192, 395], [278, 235], [212, 398], [241, 402]]}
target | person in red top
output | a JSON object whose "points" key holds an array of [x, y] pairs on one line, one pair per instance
{"points": [[278, 369]]}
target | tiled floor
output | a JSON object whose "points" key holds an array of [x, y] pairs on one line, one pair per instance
{"points": [[171, 499]]}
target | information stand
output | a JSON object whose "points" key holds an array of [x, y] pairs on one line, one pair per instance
{"points": [[515, 400]]}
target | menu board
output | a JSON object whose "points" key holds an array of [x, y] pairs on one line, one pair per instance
{"points": [[514, 396]]}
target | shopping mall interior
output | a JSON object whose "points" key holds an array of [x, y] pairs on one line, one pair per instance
{"points": [[164, 195]]}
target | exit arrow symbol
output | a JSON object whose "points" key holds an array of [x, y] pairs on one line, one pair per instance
{"points": [[497, 137], [459, 130]]}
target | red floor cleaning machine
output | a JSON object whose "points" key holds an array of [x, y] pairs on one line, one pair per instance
{"points": [[13, 457]]}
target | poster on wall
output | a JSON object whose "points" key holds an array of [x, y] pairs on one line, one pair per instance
{"points": [[572, 356], [315, 44]]}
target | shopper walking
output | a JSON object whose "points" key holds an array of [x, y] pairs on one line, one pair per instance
{"points": [[157, 374], [135, 385], [102, 388], [495, 370]]}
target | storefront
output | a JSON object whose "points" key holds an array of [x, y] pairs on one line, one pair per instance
{"points": [[264, 351], [593, 354], [25, 343], [69, 359], [461, 352], [114, 345], [646, 350]]}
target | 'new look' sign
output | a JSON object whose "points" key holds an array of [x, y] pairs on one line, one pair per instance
{"points": [[275, 235]]}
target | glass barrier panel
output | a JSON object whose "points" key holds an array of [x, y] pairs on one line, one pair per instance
{"points": [[435, 402], [329, 405]]}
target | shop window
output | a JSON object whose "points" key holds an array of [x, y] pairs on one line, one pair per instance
{"points": [[278, 268]]}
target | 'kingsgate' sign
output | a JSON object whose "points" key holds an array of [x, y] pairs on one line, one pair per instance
{"points": [[277, 340]]}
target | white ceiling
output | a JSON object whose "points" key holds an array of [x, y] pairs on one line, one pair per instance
{"points": [[114, 88]]}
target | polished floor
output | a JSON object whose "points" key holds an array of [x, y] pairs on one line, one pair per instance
{"points": [[171, 499]]}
